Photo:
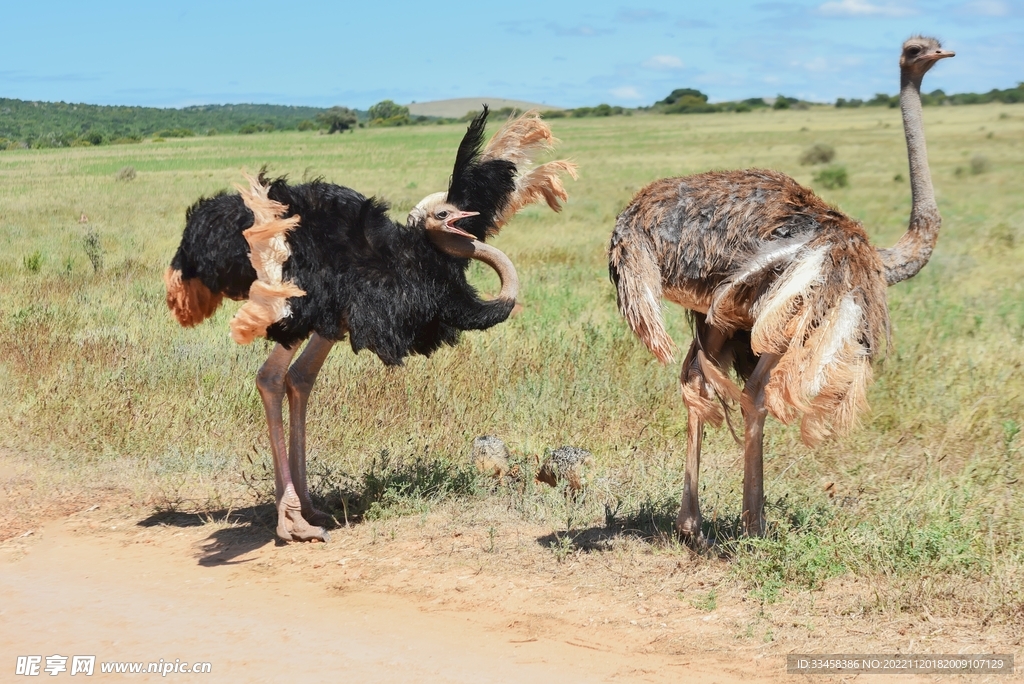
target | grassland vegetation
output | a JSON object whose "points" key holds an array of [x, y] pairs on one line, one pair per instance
{"points": [[922, 503]]}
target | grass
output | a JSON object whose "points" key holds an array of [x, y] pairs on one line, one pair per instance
{"points": [[923, 501]]}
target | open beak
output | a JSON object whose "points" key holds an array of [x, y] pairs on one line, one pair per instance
{"points": [[448, 227]]}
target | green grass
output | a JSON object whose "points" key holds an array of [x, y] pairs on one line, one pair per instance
{"points": [[927, 491]]}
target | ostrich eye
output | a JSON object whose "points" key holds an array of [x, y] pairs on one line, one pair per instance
{"points": [[913, 51], [442, 215]]}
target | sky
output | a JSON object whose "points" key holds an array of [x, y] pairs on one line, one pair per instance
{"points": [[568, 54]]}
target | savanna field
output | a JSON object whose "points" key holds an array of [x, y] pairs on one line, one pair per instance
{"points": [[918, 511]]}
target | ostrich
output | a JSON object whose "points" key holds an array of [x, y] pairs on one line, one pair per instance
{"points": [[321, 261], [779, 285]]}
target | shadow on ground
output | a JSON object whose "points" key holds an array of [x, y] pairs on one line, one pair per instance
{"points": [[250, 528]]}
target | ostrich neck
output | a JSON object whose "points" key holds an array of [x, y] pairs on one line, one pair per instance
{"points": [[909, 255], [465, 248]]}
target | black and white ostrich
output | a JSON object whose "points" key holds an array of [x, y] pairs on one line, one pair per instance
{"points": [[321, 261]]}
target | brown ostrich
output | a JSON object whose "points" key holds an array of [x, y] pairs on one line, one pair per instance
{"points": [[780, 286]]}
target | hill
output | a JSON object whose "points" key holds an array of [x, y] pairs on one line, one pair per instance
{"points": [[458, 107]]}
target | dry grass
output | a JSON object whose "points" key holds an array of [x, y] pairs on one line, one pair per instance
{"points": [[920, 508]]}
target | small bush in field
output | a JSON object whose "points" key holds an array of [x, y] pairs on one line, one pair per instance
{"points": [[126, 173], [818, 153], [93, 250], [832, 177], [33, 262], [979, 164]]}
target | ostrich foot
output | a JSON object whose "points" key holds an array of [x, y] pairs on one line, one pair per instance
{"points": [[292, 526], [689, 530], [316, 517]]}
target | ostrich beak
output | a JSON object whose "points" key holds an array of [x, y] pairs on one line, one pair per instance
{"points": [[448, 227], [939, 54]]}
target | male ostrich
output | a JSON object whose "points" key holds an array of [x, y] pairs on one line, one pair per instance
{"points": [[321, 261], [779, 285]]}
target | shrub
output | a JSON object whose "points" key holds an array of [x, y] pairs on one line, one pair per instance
{"points": [[818, 153], [33, 262], [832, 177], [93, 250], [334, 120], [125, 173], [979, 164], [388, 110], [176, 133]]}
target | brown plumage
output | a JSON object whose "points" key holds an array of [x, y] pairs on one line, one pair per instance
{"points": [[781, 286]]}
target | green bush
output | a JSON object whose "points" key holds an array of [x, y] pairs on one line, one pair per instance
{"points": [[832, 177], [818, 153], [176, 133], [33, 262], [335, 119]]}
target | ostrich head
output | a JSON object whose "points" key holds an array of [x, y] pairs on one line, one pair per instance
{"points": [[436, 214], [920, 53]]}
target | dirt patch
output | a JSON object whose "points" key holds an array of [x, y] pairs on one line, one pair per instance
{"points": [[466, 593]]}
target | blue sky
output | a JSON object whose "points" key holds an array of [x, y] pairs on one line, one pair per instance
{"points": [[559, 53]]}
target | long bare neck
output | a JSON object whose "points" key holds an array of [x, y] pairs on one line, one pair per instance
{"points": [[912, 251], [465, 248]]}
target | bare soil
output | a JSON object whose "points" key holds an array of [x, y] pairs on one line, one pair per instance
{"points": [[461, 594]]}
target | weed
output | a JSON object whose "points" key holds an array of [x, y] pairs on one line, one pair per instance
{"points": [[980, 164], [33, 262], [818, 153], [562, 547], [93, 250], [705, 602], [125, 174], [832, 177]]}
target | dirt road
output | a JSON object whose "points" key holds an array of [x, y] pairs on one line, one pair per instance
{"points": [[86, 585]]}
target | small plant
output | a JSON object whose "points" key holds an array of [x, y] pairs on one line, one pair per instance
{"points": [[93, 250], [705, 602], [1003, 235], [33, 262], [832, 177], [126, 173], [898, 178], [68, 266], [562, 547], [979, 164], [818, 153]]}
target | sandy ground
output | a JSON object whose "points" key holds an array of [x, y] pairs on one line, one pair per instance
{"points": [[451, 596], [82, 586]]}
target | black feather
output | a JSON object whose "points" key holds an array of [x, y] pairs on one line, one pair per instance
{"points": [[480, 186], [386, 284]]}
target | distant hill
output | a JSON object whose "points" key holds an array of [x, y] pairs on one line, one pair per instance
{"points": [[458, 107]]}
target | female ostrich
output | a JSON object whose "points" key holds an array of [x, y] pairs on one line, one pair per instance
{"points": [[321, 261], [780, 286]]}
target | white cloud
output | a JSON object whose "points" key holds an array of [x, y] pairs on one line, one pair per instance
{"points": [[863, 8], [664, 63], [626, 93], [987, 8]]}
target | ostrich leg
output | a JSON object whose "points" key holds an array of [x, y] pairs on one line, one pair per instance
{"points": [[270, 380], [752, 405], [298, 384], [709, 341]]}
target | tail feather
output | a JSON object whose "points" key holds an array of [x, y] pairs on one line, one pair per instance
{"points": [[518, 141], [826, 316], [189, 299], [634, 269], [540, 183]]}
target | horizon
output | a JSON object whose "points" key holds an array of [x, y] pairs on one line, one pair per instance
{"points": [[574, 55]]}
